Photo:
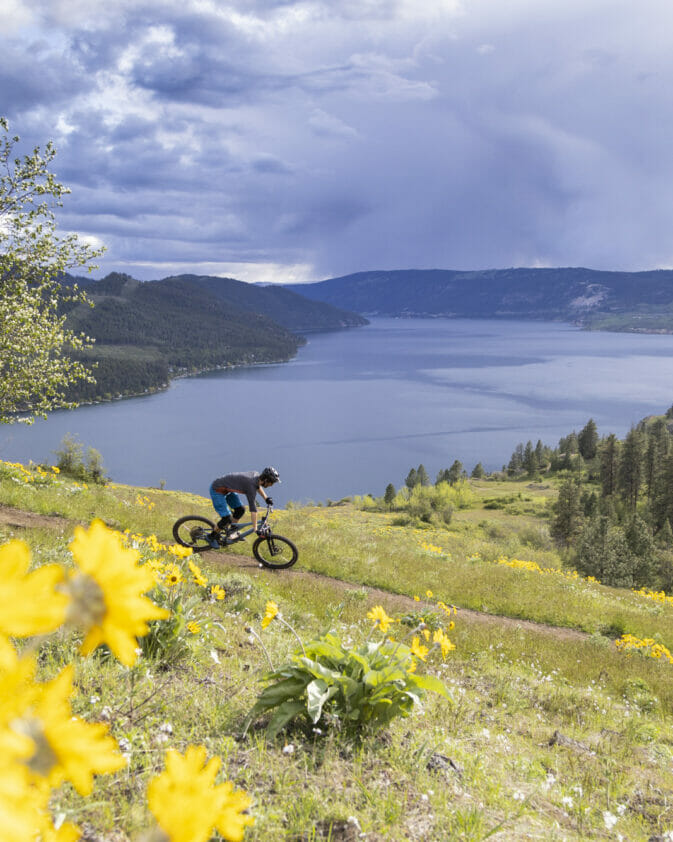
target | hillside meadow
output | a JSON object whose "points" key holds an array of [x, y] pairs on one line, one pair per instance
{"points": [[548, 730]]}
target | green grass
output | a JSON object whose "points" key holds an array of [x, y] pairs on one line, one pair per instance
{"points": [[548, 731]]}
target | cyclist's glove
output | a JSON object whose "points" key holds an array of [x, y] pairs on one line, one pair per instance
{"points": [[269, 501]]}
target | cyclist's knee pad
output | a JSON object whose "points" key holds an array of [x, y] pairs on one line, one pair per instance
{"points": [[224, 522], [238, 512]]}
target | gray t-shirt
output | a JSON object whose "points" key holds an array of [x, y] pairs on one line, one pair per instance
{"points": [[246, 483]]}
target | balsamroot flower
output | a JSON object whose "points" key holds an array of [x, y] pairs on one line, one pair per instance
{"points": [[217, 592], [107, 592], [380, 618], [199, 578], [39, 733], [66, 747], [31, 603], [444, 643], [418, 649], [270, 612], [188, 804]]}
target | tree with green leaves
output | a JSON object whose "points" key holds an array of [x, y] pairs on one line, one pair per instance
{"points": [[587, 440], [422, 475], [412, 479], [567, 510], [36, 368], [609, 459], [630, 472], [478, 471], [389, 495]]}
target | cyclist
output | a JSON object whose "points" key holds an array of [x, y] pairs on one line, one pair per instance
{"points": [[224, 493]]}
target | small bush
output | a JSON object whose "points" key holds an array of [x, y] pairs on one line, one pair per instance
{"points": [[72, 462]]}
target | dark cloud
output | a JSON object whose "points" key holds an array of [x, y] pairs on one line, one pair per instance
{"points": [[353, 135]]}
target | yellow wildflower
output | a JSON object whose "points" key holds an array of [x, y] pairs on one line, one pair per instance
{"points": [[444, 643], [108, 592], [180, 551], [217, 592], [426, 634], [30, 601], [188, 804], [412, 666], [66, 747], [269, 613], [199, 578], [193, 628], [429, 594], [418, 649], [417, 598], [172, 575], [380, 618]]}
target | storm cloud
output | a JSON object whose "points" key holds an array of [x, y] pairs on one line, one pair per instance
{"points": [[286, 141]]}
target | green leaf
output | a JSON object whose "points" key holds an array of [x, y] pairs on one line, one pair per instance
{"points": [[317, 694], [285, 713], [430, 682]]}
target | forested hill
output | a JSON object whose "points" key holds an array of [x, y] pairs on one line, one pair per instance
{"points": [[146, 332], [614, 300]]}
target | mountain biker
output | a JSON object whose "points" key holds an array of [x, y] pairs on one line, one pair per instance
{"points": [[224, 493]]}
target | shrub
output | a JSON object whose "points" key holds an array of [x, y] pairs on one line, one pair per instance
{"points": [[72, 462], [362, 689]]}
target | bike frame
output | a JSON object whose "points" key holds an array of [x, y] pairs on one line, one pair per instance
{"points": [[262, 529]]}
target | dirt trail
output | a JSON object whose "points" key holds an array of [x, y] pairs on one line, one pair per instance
{"points": [[18, 518]]}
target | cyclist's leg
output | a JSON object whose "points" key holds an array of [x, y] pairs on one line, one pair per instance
{"points": [[221, 507], [234, 503]]}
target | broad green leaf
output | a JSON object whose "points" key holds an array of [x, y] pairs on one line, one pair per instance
{"points": [[285, 713]]}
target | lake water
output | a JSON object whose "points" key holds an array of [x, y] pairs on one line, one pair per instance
{"points": [[357, 408]]}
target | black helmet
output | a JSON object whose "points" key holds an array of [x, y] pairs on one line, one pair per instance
{"points": [[270, 475]]}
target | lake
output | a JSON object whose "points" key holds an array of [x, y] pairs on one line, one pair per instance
{"points": [[357, 408]]}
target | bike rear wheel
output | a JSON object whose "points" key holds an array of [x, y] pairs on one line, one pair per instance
{"points": [[192, 531], [275, 551]]}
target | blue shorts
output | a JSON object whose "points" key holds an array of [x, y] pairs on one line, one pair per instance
{"points": [[224, 503]]}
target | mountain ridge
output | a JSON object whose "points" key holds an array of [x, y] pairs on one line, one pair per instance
{"points": [[590, 297]]}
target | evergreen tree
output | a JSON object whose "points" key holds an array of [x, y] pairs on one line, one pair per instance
{"points": [[631, 468], [478, 471], [389, 495], [603, 552], [412, 479], [515, 465], [422, 477], [530, 464], [609, 459], [455, 472], [587, 440], [567, 510]]}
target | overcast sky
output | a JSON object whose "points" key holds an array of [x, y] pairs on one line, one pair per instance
{"points": [[287, 141]]}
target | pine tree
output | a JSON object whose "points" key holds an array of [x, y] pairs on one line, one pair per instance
{"points": [[609, 459], [422, 477], [587, 440], [568, 517], [455, 472], [412, 479], [530, 464], [478, 471], [389, 495], [631, 468]]}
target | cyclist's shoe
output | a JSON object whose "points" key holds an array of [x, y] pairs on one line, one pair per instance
{"points": [[215, 540]]}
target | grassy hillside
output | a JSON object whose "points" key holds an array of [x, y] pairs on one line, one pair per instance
{"points": [[552, 731]]}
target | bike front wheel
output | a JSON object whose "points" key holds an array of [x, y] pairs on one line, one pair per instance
{"points": [[193, 531], [275, 551]]}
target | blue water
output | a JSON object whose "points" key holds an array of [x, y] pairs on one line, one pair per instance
{"points": [[357, 408]]}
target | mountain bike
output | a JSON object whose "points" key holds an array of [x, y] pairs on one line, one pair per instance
{"points": [[269, 549]]}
